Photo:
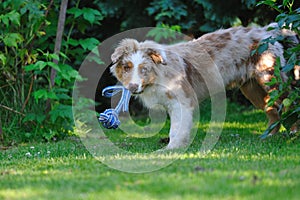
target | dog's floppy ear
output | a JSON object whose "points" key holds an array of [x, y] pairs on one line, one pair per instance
{"points": [[157, 57], [125, 47]]}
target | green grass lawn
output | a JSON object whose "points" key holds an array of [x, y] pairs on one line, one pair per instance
{"points": [[241, 166]]}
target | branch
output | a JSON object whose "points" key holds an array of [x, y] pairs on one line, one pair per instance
{"points": [[29, 93], [12, 110]]}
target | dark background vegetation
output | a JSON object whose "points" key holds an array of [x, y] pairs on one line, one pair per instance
{"points": [[36, 106]]}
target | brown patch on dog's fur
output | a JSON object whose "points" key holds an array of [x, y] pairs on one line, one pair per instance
{"points": [[169, 95], [192, 73], [124, 68], [211, 53], [155, 56], [119, 71], [128, 66], [236, 83], [254, 45], [149, 80], [220, 40], [259, 98], [157, 59]]}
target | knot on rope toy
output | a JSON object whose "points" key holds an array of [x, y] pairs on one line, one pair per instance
{"points": [[109, 118]]}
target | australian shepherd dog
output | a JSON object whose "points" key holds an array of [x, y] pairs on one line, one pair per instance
{"points": [[176, 75]]}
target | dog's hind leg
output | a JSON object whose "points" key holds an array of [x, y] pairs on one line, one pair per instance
{"points": [[258, 96]]}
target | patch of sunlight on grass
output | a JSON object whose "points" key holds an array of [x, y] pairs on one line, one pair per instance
{"points": [[119, 193], [243, 125], [21, 193]]}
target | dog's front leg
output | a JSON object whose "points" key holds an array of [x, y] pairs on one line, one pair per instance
{"points": [[181, 125]]}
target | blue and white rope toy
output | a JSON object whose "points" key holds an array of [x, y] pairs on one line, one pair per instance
{"points": [[109, 118]]}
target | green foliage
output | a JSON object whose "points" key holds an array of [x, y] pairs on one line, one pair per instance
{"points": [[91, 15], [201, 16], [289, 18], [27, 32], [163, 31], [167, 10]]}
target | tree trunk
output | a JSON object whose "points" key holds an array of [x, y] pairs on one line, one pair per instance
{"points": [[58, 41], [1, 132]]}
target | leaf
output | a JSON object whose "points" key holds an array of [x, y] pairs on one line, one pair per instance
{"points": [[2, 58], [12, 39], [44, 94], [89, 43], [61, 111], [39, 118], [269, 129], [54, 66], [4, 19], [63, 97], [91, 15], [292, 59], [40, 94], [277, 69], [64, 56], [287, 102], [54, 56], [288, 67], [73, 42], [14, 17], [290, 117], [67, 73], [29, 67], [75, 11], [39, 65], [62, 93], [273, 81], [262, 47]]}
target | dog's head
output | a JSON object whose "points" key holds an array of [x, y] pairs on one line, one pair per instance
{"points": [[136, 64]]}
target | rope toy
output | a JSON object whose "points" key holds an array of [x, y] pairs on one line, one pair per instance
{"points": [[109, 118]]}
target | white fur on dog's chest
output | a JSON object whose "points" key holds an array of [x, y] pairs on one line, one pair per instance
{"points": [[169, 98], [153, 96]]}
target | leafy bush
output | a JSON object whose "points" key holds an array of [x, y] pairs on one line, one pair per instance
{"points": [[34, 107], [289, 18]]}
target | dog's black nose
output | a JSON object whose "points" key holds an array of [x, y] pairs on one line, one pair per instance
{"points": [[133, 87]]}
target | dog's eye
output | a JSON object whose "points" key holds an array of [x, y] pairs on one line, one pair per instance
{"points": [[144, 70], [127, 68]]}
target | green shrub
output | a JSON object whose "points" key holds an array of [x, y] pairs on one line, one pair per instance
{"points": [[288, 18], [33, 107]]}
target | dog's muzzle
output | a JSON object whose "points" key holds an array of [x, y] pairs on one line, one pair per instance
{"points": [[134, 88]]}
